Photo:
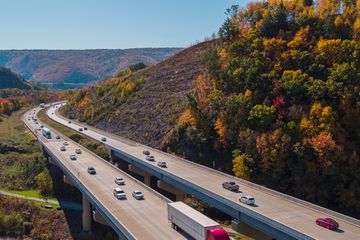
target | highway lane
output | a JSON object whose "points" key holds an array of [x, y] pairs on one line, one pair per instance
{"points": [[292, 214], [145, 219]]}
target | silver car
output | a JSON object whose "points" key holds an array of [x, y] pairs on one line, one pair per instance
{"points": [[249, 200], [119, 181], [138, 195], [72, 157]]}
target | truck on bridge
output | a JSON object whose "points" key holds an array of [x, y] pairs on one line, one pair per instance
{"points": [[194, 223], [46, 133]]}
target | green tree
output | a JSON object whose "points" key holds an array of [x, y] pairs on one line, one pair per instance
{"points": [[44, 182], [261, 116]]}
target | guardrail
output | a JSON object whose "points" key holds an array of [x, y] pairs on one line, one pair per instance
{"points": [[274, 224], [114, 167], [113, 221], [298, 201]]}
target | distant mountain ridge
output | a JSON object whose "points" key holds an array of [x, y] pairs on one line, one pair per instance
{"points": [[9, 79], [76, 68]]}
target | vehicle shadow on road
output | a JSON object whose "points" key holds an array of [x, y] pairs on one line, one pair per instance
{"points": [[253, 205], [338, 230]]}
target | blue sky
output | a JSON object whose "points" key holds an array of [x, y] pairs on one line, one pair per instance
{"points": [[89, 24]]}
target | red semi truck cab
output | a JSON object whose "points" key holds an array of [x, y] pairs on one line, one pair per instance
{"points": [[217, 234]]}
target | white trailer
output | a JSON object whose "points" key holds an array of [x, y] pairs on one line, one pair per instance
{"points": [[194, 223]]}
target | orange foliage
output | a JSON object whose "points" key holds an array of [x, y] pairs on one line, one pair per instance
{"points": [[85, 102]]}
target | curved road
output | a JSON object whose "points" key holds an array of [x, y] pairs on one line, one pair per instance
{"points": [[283, 210]]}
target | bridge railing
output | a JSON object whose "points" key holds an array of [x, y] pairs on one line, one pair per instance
{"points": [[301, 202], [112, 220]]}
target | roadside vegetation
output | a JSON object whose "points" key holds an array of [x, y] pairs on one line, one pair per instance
{"points": [[279, 101], [21, 218]]}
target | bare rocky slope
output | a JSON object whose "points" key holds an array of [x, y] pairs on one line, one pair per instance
{"points": [[153, 109]]}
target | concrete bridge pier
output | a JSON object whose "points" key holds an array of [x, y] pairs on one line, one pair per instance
{"points": [[249, 231], [141, 172], [86, 217], [68, 181], [98, 218], [179, 195]]}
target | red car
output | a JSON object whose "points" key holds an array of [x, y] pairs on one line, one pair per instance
{"points": [[328, 223]]}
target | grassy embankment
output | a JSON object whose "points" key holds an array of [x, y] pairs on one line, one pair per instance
{"points": [[21, 159]]}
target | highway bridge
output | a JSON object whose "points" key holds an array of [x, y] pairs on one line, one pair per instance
{"points": [[130, 218], [275, 215]]}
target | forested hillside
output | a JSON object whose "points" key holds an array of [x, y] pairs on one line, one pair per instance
{"points": [[275, 100], [279, 103], [8, 79], [141, 104], [64, 69]]}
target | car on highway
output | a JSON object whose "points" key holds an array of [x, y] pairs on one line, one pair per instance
{"points": [[230, 185], [150, 158], [162, 164], [65, 143], [78, 151], [41, 126], [119, 193], [80, 129], [72, 157], [328, 223], [58, 137], [138, 195], [146, 152], [103, 139], [62, 148], [69, 122], [119, 181], [85, 128], [91, 170], [249, 200]]}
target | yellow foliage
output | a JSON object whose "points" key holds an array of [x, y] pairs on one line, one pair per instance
{"points": [[186, 118], [223, 55], [220, 128], [307, 126], [329, 46], [239, 167], [300, 38]]}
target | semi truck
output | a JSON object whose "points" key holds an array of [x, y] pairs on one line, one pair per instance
{"points": [[194, 223], [46, 133]]}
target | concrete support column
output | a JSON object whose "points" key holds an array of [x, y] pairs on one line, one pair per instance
{"points": [[86, 217], [98, 218], [141, 172], [51, 160], [248, 230], [179, 195], [68, 181]]}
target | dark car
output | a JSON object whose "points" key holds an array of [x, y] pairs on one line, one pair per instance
{"points": [[232, 186], [85, 128], [146, 152], [91, 170], [328, 223], [69, 121]]}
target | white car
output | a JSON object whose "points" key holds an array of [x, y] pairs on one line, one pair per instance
{"points": [[249, 200], [138, 195], [119, 181], [150, 158], [78, 151], [119, 193], [72, 157], [162, 164]]}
